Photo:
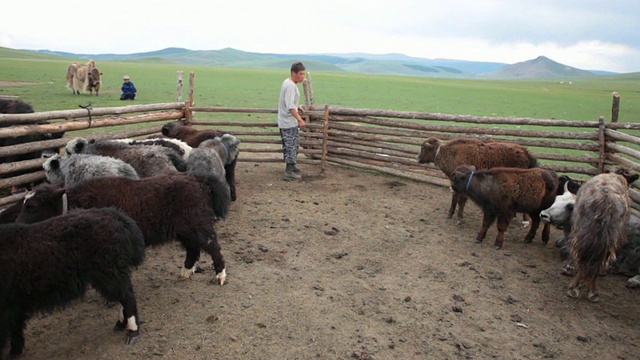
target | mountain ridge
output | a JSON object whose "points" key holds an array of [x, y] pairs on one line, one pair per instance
{"points": [[387, 64]]}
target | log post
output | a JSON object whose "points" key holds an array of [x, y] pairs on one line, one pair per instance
{"points": [[602, 142], [615, 107], [188, 114], [312, 99], [325, 139], [180, 74]]}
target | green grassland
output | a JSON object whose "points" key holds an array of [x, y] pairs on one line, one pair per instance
{"points": [[40, 80]]}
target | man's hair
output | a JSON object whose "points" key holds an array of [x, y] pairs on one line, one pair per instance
{"points": [[297, 67]]}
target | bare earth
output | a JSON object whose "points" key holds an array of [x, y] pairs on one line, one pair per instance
{"points": [[352, 265]]}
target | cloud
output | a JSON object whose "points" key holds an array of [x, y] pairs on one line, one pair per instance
{"points": [[587, 34]]}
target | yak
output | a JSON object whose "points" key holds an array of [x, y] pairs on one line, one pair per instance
{"points": [[193, 138], [45, 266], [169, 206], [84, 77], [501, 192], [475, 152]]}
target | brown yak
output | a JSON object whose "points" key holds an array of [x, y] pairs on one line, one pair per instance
{"points": [[501, 192], [476, 152]]}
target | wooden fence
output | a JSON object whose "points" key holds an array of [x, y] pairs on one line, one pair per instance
{"points": [[380, 140]]}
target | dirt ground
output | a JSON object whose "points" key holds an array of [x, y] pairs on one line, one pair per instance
{"points": [[352, 265]]}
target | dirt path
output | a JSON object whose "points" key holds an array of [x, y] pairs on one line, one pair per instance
{"points": [[352, 265]]}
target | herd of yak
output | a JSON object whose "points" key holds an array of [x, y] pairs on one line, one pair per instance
{"points": [[105, 201]]}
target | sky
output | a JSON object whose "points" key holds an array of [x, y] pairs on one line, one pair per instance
{"points": [[586, 34]]}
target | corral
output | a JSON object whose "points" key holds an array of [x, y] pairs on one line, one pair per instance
{"points": [[357, 264]]}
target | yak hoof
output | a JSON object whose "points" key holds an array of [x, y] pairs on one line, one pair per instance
{"points": [[458, 221], [593, 297], [120, 325], [198, 269], [497, 247], [573, 293], [478, 241], [222, 276], [132, 337], [528, 240], [567, 270]]}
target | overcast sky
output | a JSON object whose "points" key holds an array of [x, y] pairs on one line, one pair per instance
{"points": [[587, 34]]}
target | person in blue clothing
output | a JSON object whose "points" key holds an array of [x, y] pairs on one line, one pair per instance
{"points": [[128, 89]]}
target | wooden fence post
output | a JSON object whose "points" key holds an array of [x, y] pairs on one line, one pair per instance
{"points": [[188, 114], [602, 143], [312, 99], [179, 98], [325, 139], [615, 107]]}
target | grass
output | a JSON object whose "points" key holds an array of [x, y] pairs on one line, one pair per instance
{"points": [[584, 99]]}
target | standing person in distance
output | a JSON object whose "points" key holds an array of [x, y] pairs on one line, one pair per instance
{"points": [[128, 89], [290, 120]]}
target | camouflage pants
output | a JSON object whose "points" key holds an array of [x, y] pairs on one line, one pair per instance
{"points": [[290, 143]]}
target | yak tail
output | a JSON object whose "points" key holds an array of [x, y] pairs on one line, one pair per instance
{"points": [[218, 191], [595, 246], [131, 232], [533, 161]]}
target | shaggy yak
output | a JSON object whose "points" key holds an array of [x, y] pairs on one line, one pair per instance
{"points": [[146, 160], [475, 152], [212, 155], [627, 259], [72, 169], [45, 266], [600, 215], [170, 206], [85, 77], [501, 192], [193, 138], [20, 107]]}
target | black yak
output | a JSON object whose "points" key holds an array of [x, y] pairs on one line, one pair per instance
{"points": [[475, 152], [45, 266], [171, 206], [501, 192]]}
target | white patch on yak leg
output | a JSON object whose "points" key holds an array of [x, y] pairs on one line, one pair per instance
{"points": [[525, 223], [131, 324], [186, 273], [122, 315], [222, 276]]}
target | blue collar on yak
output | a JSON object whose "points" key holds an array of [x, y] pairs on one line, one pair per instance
{"points": [[469, 181]]}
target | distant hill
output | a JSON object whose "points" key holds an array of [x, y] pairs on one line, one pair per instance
{"points": [[389, 64], [538, 68]]}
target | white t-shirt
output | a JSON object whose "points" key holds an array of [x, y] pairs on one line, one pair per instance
{"points": [[289, 99]]}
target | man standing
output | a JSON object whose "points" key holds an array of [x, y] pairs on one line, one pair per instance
{"points": [[290, 120]]}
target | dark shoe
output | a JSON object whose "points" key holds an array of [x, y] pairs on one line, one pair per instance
{"points": [[288, 176], [296, 169], [290, 173]]}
